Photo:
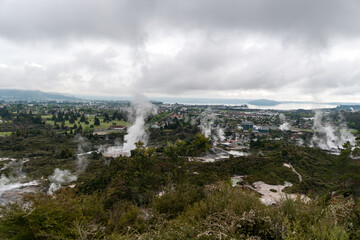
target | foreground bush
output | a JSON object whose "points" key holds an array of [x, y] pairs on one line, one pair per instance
{"points": [[217, 211], [63, 217], [235, 213]]}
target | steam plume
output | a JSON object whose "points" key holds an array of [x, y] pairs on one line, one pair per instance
{"points": [[60, 177], [285, 126], [81, 155], [139, 110], [221, 134], [14, 180], [327, 136], [207, 126]]}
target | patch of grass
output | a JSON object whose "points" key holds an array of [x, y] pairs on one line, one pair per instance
{"points": [[46, 116], [108, 124], [5, 134]]}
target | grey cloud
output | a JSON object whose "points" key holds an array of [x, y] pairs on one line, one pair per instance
{"points": [[72, 20], [225, 66], [128, 20], [85, 72], [214, 56], [305, 20], [101, 61]]}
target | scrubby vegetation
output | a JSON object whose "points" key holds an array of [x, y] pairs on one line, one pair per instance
{"points": [[158, 193], [158, 196], [218, 211]]}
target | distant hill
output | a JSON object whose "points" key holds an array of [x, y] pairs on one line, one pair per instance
{"points": [[264, 102], [33, 95]]}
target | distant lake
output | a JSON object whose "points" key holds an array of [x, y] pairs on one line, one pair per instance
{"points": [[230, 102], [294, 106]]}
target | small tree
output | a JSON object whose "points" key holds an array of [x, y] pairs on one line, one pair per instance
{"points": [[106, 117], [96, 122]]}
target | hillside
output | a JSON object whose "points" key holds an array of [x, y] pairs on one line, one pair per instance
{"points": [[264, 102], [33, 95]]}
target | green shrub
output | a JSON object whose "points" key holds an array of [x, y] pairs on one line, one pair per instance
{"points": [[63, 217], [176, 200]]}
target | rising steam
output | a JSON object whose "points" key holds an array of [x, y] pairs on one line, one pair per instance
{"points": [[285, 126], [82, 153], [139, 110], [60, 177], [14, 179], [207, 126], [327, 136], [220, 134]]}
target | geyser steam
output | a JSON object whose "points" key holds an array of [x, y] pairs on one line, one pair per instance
{"points": [[207, 121], [139, 110], [14, 180], [327, 136], [81, 155], [60, 177], [285, 126]]}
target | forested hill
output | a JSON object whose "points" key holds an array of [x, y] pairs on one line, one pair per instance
{"points": [[264, 102], [33, 95]]}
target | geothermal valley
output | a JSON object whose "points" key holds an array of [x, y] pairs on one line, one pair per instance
{"points": [[57, 148], [243, 127]]}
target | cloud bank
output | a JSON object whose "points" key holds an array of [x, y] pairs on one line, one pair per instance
{"points": [[295, 50]]}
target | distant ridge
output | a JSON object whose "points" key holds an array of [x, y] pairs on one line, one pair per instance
{"points": [[33, 95], [264, 102]]}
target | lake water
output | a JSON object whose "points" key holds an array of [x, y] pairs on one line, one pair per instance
{"points": [[294, 106], [282, 106]]}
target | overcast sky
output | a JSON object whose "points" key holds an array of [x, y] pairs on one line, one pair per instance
{"points": [[276, 49]]}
